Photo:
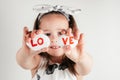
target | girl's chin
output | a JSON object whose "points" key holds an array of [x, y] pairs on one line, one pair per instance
{"points": [[56, 53]]}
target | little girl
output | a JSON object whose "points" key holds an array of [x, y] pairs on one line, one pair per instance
{"points": [[55, 62]]}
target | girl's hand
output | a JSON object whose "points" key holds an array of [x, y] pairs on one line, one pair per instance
{"points": [[75, 53], [26, 57], [27, 36]]}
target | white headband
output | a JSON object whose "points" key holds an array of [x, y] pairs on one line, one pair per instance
{"points": [[44, 8]]}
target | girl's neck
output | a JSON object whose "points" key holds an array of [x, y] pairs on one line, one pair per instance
{"points": [[56, 59]]}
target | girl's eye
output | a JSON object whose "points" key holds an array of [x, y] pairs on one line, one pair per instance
{"points": [[59, 33], [47, 34]]}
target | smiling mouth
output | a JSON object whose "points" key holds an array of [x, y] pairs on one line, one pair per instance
{"points": [[55, 47]]}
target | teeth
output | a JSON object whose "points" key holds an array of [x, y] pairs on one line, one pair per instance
{"points": [[54, 47]]}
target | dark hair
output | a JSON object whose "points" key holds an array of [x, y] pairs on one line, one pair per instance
{"points": [[66, 60], [37, 21]]}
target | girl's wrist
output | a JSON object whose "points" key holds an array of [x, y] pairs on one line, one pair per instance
{"points": [[81, 58]]}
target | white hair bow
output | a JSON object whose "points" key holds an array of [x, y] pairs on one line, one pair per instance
{"points": [[44, 8]]}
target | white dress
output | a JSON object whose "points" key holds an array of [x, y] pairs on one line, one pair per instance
{"points": [[56, 75]]}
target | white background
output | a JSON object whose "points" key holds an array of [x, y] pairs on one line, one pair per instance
{"points": [[99, 20]]}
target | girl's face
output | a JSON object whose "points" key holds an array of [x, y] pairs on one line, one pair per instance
{"points": [[53, 25]]}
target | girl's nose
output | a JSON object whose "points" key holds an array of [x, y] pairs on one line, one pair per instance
{"points": [[54, 38]]}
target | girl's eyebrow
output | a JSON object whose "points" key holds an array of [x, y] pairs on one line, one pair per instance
{"points": [[45, 30], [62, 29]]}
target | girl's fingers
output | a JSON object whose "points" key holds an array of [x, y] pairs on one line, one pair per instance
{"points": [[39, 31], [76, 34], [26, 35], [64, 32], [44, 50], [80, 43], [36, 32], [67, 49], [41, 50], [28, 40], [25, 32], [33, 33], [69, 32]]}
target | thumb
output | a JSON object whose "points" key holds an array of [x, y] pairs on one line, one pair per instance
{"points": [[25, 32]]}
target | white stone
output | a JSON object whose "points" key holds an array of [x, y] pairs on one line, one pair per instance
{"points": [[46, 42], [66, 41]]}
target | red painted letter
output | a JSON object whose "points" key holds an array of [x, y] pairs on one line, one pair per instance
{"points": [[71, 40], [33, 45], [65, 40], [40, 41]]}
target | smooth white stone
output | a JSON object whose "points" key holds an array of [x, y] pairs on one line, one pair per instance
{"points": [[46, 42]]}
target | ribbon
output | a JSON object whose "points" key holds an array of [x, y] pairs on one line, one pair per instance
{"points": [[51, 68], [45, 8]]}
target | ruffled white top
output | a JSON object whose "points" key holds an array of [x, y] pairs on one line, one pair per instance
{"points": [[57, 75]]}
